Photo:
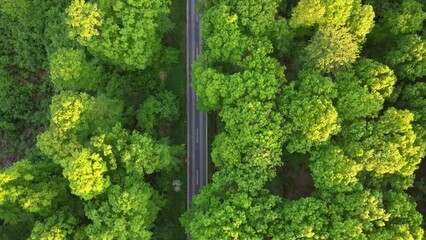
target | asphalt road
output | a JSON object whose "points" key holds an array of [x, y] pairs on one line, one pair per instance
{"points": [[197, 154]]}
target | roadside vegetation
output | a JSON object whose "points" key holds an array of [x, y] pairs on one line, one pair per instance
{"points": [[321, 105], [91, 140]]}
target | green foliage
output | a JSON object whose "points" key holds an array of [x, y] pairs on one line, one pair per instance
{"points": [[85, 171], [255, 16], [73, 117], [29, 188], [413, 97], [333, 170], [101, 162], [26, 38], [29, 29], [408, 59], [355, 100], [404, 18], [208, 85], [281, 35], [122, 32], [307, 13], [339, 111], [128, 212], [23, 112], [20, 45], [358, 215], [361, 21], [19, 9], [405, 220], [85, 18], [361, 128], [70, 71], [236, 76], [379, 78], [301, 219], [56, 30], [230, 214], [363, 90], [341, 27], [331, 48], [398, 31], [17, 106], [88, 179], [55, 227], [138, 152], [225, 42], [308, 108], [335, 14], [157, 109], [391, 145]]}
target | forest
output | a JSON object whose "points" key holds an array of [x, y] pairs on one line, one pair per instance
{"points": [[317, 119], [91, 119], [320, 122]]}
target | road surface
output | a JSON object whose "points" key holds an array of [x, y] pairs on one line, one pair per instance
{"points": [[197, 154]]}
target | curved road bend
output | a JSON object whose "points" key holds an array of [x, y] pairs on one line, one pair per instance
{"points": [[197, 155]]}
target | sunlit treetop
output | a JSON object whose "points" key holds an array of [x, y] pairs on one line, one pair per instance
{"points": [[124, 32]]}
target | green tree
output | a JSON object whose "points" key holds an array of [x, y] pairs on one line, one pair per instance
{"points": [[336, 14], [307, 13], [363, 214], [408, 59], [208, 83], [17, 103], [339, 111], [156, 110], [405, 222], [403, 18], [379, 78], [138, 153], [95, 163], [64, 140], [85, 18], [331, 48], [301, 219], [281, 35], [225, 43], [363, 90], [413, 98], [29, 188], [361, 22], [126, 212], [341, 27], [230, 214], [255, 17], [29, 193], [19, 9], [70, 71], [333, 170], [307, 105], [56, 227], [398, 149], [122, 32]]}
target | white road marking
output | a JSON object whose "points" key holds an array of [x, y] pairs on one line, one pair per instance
{"points": [[197, 51], [196, 137], [197, 176]]}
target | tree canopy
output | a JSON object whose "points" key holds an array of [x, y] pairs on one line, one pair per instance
{"points": [[125, 33], [85, 119], [333, 85]]}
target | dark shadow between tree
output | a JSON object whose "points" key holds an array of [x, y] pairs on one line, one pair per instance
{"points": [[293, 180]]}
